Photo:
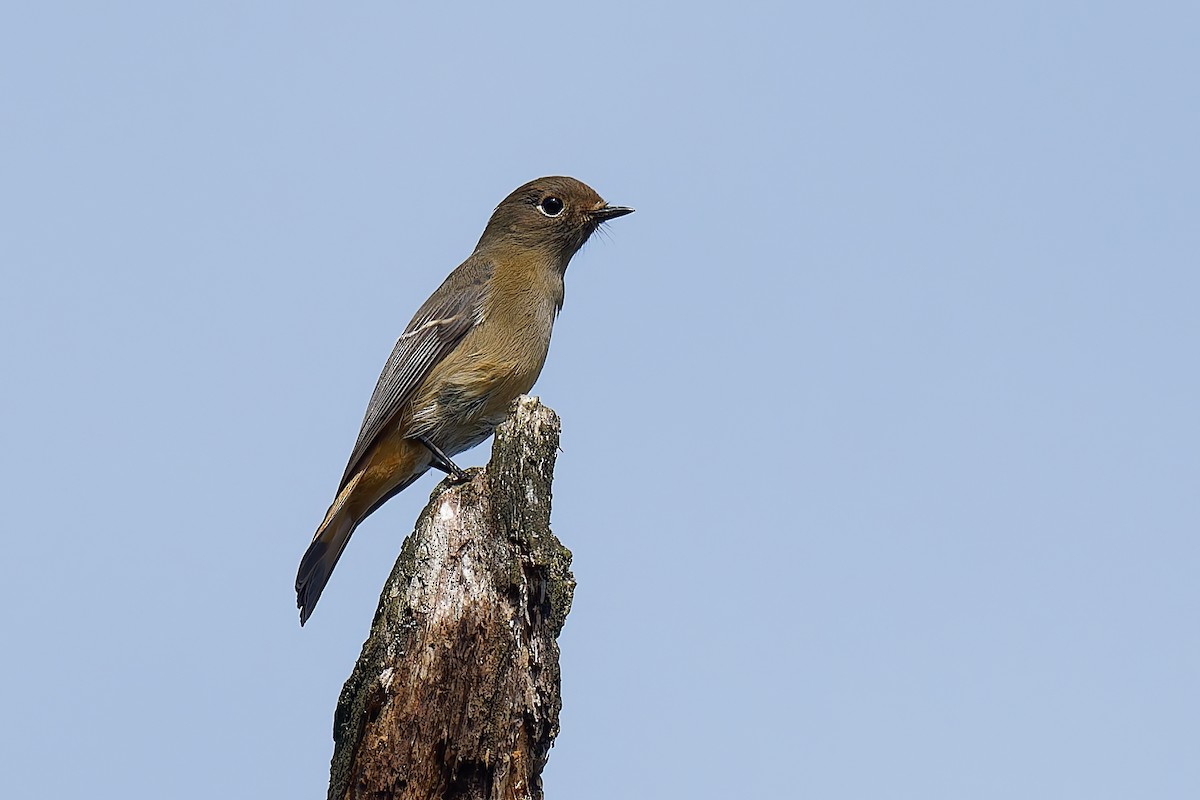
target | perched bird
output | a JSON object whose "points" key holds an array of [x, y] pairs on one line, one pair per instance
{"points": [[475, 345]]}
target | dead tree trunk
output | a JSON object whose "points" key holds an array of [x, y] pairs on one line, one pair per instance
{"points": [[456, 692]]}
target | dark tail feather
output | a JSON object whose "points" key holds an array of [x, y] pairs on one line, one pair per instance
{"points": [[322, 555], [318, 562]]}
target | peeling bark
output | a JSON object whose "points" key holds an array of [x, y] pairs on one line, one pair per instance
{"points": [[456, 692]]}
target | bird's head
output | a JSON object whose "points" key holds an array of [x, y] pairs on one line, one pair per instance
{"points": [[553, 216]]}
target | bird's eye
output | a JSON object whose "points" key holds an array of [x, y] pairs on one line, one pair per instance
{"points": [[550, 206]]}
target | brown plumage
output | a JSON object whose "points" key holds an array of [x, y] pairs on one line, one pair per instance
{"points": [[477, 343]]}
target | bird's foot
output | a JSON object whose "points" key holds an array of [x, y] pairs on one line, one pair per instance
{"points": [[443, 462]]}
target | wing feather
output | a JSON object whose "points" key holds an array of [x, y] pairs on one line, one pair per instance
{"points": [[435, 330]]}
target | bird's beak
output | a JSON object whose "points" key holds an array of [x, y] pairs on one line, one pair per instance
{"points": [[605, 213]]}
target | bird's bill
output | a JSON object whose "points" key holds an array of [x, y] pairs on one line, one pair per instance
{"points": [[605, 213]]}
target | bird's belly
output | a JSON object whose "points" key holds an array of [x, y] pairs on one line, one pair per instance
{"points": [[469, 393], [461, 413]]}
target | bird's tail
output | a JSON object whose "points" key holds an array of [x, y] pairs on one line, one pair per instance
{"points": [[321, 557], [355, 502]]}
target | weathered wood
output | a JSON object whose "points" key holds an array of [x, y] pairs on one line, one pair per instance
{"points": [[456, 692]]}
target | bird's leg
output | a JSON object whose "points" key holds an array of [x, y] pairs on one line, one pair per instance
{"points": [[442, 461]]}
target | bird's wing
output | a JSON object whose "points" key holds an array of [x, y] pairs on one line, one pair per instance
{"points": [[436, 329]]}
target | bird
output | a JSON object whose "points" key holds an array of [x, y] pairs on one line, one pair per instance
{"points": [[473, 347]]}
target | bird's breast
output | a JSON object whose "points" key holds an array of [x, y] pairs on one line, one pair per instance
{"points": [[469, 393]]}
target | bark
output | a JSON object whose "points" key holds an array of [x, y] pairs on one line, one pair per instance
{"points": [[456, 692]]}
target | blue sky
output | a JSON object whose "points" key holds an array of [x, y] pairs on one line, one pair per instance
{"points": [[881, 443]]}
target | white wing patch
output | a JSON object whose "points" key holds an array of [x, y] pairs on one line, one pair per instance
{"points": [[427, 325]]}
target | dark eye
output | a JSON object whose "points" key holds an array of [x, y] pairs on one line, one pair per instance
{"points": [[550, 206]]}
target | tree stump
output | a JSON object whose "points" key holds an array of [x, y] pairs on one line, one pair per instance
{"points": [[456, 692]]}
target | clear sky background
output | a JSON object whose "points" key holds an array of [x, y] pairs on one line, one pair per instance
{"points": [[881, 416]]}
